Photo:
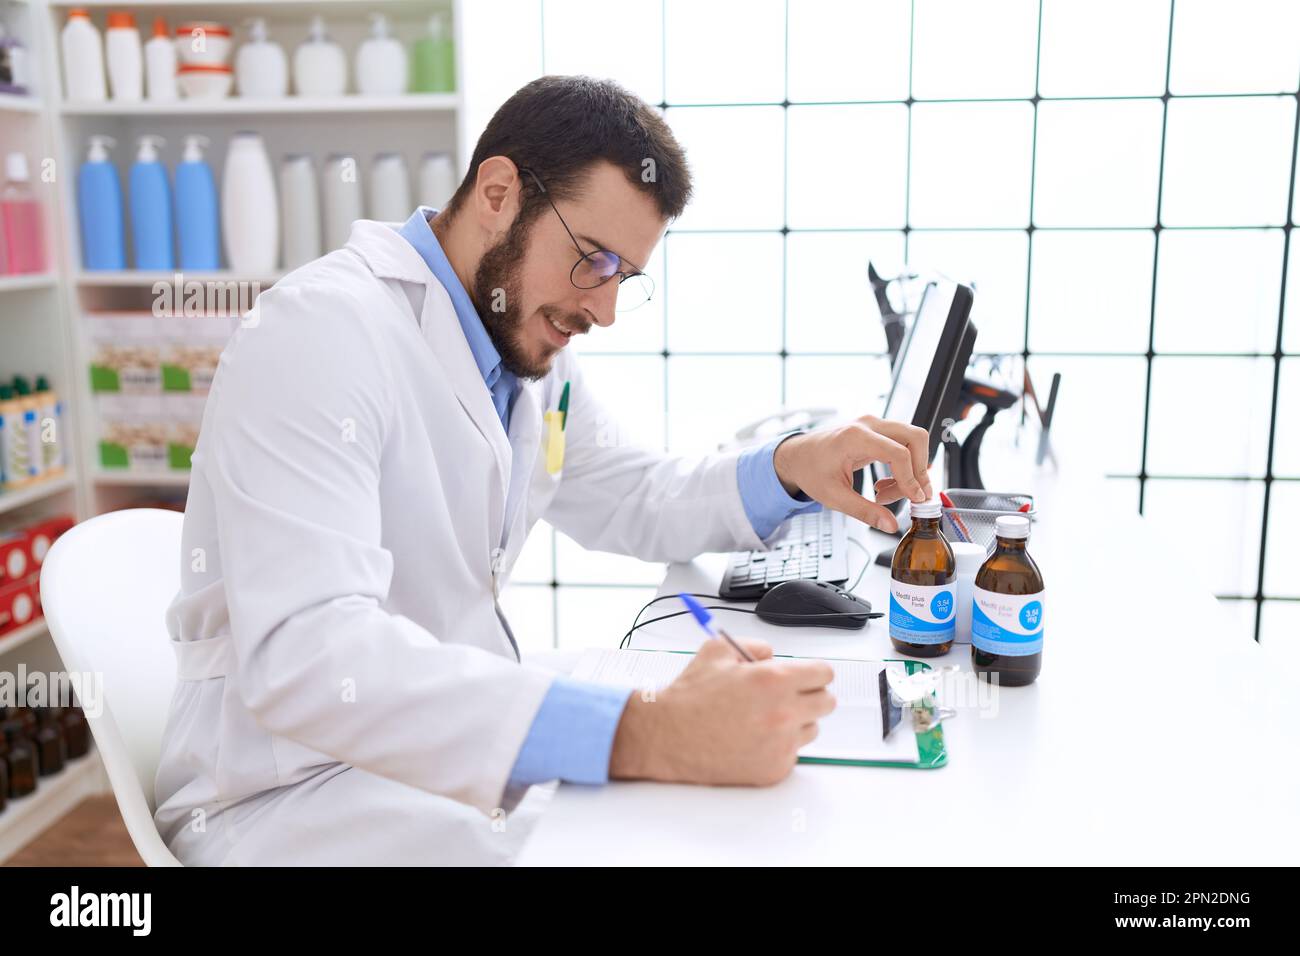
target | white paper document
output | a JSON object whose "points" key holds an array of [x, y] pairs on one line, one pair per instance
{"points": [[850, 732]]}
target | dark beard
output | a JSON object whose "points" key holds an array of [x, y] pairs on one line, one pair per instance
{"points": [[495, 283]]}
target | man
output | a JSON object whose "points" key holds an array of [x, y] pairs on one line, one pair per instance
{"points": [[370, 461]]}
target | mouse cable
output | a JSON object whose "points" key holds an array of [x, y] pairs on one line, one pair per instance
{"points": [[865, 564], [637, 623]]}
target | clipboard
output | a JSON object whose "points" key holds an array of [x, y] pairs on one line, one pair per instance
{"points": [[932, 751], [613, 667]]}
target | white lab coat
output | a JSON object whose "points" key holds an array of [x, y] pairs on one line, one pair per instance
{"points": [[348, 692]]}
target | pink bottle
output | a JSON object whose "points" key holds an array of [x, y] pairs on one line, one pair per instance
{"points": [[21, 219]]}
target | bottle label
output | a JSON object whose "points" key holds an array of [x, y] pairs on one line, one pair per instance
{"points": [[922, 613], [1007, 624]]}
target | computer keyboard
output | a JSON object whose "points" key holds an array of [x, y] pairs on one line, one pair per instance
{"points": [[810, 546]]}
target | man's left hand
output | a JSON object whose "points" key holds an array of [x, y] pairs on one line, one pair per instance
{"points": [[821, 465]]}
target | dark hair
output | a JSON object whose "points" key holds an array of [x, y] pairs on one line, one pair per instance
{"points": [[558, 126]]}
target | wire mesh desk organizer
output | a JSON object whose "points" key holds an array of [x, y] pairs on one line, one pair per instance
{"points": [[974, 513]]}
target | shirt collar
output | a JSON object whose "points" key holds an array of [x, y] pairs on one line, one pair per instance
{"points": [[419, 234]]}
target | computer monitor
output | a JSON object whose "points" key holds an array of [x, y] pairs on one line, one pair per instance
{"points": [[928, 359]]}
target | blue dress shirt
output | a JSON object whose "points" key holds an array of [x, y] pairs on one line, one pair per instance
{"points": [[572, 733]]}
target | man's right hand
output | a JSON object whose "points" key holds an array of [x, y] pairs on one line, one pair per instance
{"points": [[724, 720]]}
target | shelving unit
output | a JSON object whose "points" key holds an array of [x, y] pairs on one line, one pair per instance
{"points": [[27, 816], [28, 632], [135, 278], [234, 106], [40, 280], [41, 316], [38, 491], [411, 124], [13, 103], [141, 479]]}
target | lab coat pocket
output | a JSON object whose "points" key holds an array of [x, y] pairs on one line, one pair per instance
{"points": [[542, 489]]}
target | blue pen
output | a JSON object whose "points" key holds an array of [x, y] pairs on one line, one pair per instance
{"points": [[705, 619]]}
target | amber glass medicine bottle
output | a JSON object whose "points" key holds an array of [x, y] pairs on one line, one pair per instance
{"points": [[922, 592], [1007, 619], [20, 757]]}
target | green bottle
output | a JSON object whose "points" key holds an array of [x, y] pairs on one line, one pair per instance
{"points": [[433, 60]]}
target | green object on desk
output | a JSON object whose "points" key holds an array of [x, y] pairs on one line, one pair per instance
{"points": [[932, 753]]}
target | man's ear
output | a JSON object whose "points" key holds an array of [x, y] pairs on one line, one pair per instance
{"points": [[496, 195]]}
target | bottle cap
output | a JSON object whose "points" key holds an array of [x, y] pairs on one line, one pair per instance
{"points": [[16, 167], [6, 392], [42, 383], [121, 20], [99, 147], [926, 509], [194, 144], [149, 144], [79, 13], [22, 386], [160, 27], [1012, 526], [969, 556]]}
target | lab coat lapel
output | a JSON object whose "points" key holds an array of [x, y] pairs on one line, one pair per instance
{"points": [[525, 439], [389, 255], [446, 339]]}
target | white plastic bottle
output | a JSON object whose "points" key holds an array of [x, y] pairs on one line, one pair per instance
{"points": [[261, 68], [390, 188], [437, 180], [125, 58], [319, 66], [83, 60], [300, 210], [969, 557], [341, 187], [381, 62], [250, 213], [160, 64]]}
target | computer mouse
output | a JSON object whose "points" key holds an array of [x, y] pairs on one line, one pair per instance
{"points": [[813, 604]]}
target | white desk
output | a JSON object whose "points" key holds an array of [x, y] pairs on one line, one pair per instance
{"points": [[1053, 773]]}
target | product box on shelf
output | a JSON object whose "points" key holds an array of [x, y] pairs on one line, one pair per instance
{"points": [[24, 545], [15, 556], [19, 604], [132, 432], [125, 353], [150, 375], [148, 432], [42, 534], [183, 414], [139, 353], [189, 350]]}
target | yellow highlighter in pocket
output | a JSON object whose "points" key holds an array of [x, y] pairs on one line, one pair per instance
{"points": [[555, 422], [554, 428]]}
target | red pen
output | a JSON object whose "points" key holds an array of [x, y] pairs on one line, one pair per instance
{"points": [[956, 521]]}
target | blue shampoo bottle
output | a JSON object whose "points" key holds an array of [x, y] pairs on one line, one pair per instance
{"points": [[99, 207], [197, 214], [151, 208]]}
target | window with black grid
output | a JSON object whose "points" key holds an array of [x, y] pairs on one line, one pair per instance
{"points": [[1118, 176]]}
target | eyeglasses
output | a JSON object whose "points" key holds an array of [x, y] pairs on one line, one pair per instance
{"points": [[596, 268]]}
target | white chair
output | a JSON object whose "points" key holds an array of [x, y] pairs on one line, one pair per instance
{"points": [[105, 586]]}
